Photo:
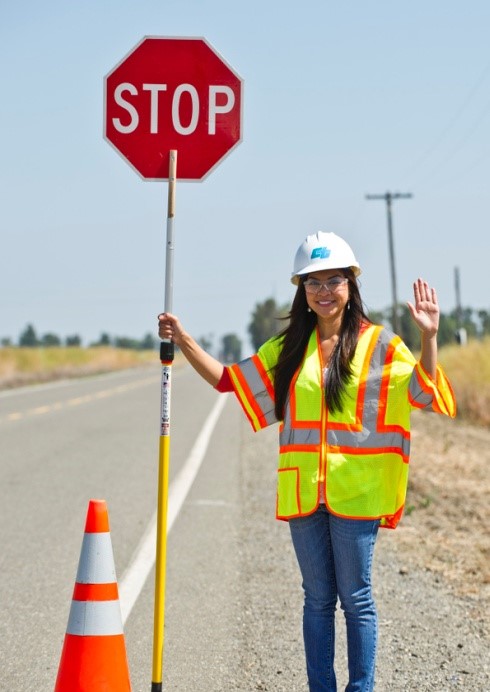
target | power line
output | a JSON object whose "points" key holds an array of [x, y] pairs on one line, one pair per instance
{"points": [[457, 146], [388, 197], [450, 124]]}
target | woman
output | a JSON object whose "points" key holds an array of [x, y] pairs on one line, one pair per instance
{"points": [[342, 389]]}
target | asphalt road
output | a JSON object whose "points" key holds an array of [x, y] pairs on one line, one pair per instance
{"points": [[65, 443]]}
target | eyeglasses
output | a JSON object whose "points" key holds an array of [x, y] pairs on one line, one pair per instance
{"points": [[332, 285]]}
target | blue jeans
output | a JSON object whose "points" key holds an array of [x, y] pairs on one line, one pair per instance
{"points": [[335, 558]]}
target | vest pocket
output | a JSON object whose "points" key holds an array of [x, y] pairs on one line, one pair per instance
{"points": [[288, 504]]}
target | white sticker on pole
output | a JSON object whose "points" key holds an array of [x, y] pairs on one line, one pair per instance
{"points": [[165, 401]]}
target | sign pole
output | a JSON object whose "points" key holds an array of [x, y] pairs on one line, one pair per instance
{"points": [[166, 357]]}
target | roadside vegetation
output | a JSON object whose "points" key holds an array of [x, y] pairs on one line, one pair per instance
{"points": [[47, 357], [468, 368], [23, 365]]}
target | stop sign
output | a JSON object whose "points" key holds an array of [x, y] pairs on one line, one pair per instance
{"points": [[173, 93]]}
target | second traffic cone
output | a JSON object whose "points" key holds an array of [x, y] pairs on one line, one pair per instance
{"points": [[93, 658]]}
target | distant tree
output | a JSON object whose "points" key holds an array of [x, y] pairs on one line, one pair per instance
{"points": [[378, 317], [484, 317], [73, 340], [104, 340], [6, 341], [28, 337], [409, 330], [50, 339], [447, 329], [205, 343], [265, 321], [148, 343], [231, 348], [466, 320], [126, 342]]}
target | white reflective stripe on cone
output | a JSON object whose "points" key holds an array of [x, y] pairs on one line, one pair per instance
{"points": [[96, 564], [95, 618]]}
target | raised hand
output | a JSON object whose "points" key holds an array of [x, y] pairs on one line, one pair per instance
{"points": [[425, 311]]}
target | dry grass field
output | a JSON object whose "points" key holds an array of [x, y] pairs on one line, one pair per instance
{"points": [[468, 368], [21, 366]]}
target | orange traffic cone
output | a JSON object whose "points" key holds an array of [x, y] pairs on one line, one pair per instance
{"points": [[93, 658]]}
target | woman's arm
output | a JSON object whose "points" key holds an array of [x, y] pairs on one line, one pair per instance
{"points": [[208, 367], [425, 314]]}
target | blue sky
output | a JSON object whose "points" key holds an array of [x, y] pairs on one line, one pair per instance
{"points": [[340, 100]]}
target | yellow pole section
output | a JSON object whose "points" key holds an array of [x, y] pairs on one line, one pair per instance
{"points": [[161, 561], [166, 357]]}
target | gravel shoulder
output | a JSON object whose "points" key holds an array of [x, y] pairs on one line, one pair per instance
{"points": [[431, 574]]}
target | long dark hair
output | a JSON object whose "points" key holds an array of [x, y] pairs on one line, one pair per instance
{"points": [[297, 335]]}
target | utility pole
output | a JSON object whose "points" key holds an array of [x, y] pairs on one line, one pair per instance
{"points": [[388, 197], [461, 335], [457, 288]]}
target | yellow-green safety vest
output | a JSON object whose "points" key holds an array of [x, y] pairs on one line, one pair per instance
{"points": [[359, 454]]}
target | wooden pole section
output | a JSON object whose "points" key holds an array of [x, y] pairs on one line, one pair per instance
{"points": [[166, 358]]}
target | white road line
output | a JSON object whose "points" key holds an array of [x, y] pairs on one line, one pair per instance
{"points": [[143, 560], [77, 401], [56, 384]]}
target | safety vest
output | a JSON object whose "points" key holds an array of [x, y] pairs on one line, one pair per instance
{"points": [[359, 454]]}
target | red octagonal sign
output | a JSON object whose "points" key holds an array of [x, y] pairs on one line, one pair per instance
{"points": [[173, 93]]}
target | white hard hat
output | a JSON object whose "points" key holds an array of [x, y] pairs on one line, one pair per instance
{"points": [[323, 251]]}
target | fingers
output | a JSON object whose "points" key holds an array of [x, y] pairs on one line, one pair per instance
{"points": [[166, 325], [411, 308], [423, 292], [416, 291], [169, 327], [163, 331], [165, 316]]}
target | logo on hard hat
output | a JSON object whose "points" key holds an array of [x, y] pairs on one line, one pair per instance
{"points": [[320, 253]]}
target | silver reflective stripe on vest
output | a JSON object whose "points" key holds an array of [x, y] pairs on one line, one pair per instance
{"points": [[299, 436], [370, 439], [423, 399], [95, 618], [96, 564], [365, 438], [262, 397]]}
